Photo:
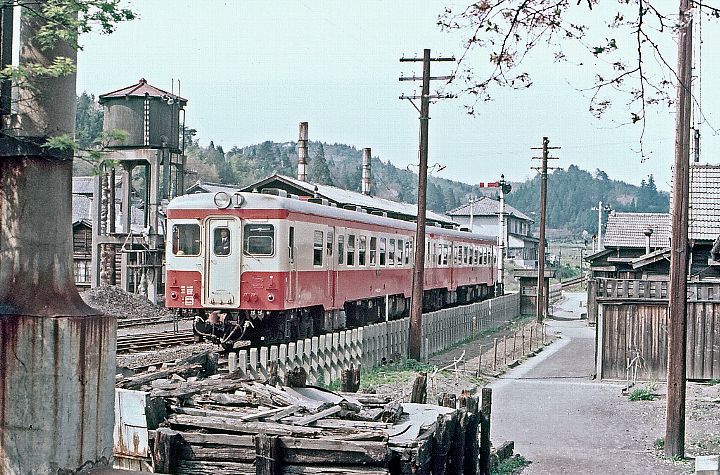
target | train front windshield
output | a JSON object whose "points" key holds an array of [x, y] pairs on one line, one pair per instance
{"points": [[259, 240]]}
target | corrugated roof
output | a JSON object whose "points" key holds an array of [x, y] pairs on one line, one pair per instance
{"points": [[83, 185], [486, 206], [628, 229], [142, 88], [704, 215], [343, 197], [204, 187], [81, 208]]}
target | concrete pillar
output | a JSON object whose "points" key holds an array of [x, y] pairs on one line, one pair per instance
{"points": [[57, 355]]}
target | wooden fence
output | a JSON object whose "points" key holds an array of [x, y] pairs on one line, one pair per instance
{"points": [[326, 356], [632, 329]]}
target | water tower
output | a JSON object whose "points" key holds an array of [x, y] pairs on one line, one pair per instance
{"points": [[152, 165]]}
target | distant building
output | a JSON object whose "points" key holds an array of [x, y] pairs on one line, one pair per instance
{"points": [[522, 247], [635, 246]]}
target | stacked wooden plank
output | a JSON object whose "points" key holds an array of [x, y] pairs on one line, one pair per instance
{"points": [[226, 424]]}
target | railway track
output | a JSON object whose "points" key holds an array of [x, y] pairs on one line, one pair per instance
{"points": [[153, 341], [571, 282]]}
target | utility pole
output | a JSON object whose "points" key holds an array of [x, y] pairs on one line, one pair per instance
{"points": [[541, 307], [415, 336], [600, 210], [505, 188], [677, 304]]}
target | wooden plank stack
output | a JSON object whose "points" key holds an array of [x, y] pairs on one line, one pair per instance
{"points": [[227, 424]]}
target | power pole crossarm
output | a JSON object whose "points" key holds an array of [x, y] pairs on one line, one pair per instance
{"points": [[415, 332]]}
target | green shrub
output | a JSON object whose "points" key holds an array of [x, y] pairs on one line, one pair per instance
{"points": [[641, 394]]}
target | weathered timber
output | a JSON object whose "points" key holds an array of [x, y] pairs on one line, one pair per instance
{"points": [[442, 439], [472, 446], [392, 412], [318, 470], [166, 450], [419, 389], [303, 421], [447, 400], [241, 427], [486, 412], [296, 377], [201, 467], [296, 450], [218, 453], [350, 379], [243, 416], [456, 456], [267, 453], [137, 382], [197, 387]]}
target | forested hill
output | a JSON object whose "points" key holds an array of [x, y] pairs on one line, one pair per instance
{"points": [[571, 193]]}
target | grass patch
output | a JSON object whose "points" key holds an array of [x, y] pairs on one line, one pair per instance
{"points": [[393, 373], [659, 444], [713, 382], [641, 394], [510, 466]]}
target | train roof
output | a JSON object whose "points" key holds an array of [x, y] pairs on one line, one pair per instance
{"points": [[206, 201]]}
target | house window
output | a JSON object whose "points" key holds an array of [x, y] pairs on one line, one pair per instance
{"points": [[81, 269]]}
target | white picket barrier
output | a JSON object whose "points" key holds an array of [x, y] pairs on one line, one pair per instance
{"points": [[325, 357]]}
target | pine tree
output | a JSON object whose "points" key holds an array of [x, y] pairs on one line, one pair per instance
{"points": [[88, 120], [318, 170]]}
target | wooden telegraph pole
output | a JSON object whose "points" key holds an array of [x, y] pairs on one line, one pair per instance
{"points": [[677, 305], [540, 312], [415, 337]]}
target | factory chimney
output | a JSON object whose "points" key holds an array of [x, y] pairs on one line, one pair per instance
{"points": [[303, 151], [365, 184]]}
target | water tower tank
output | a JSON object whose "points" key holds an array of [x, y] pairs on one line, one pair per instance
{"points": [[149, 115]]}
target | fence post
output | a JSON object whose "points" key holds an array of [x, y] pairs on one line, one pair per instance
{"points": [[485, 412], [479, 370], [495, 345]]}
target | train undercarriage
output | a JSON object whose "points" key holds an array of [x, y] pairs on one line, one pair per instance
{"points": [[271, 327]]}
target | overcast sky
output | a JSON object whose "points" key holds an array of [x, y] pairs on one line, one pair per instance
{"points": [[252, 70]]}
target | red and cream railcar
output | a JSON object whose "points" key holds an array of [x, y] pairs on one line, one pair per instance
{"points": [[280, 268]]}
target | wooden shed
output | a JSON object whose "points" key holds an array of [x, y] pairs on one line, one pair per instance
{"points": [[528, 279]]}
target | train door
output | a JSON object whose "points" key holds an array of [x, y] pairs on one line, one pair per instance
{"points": [[222, 262], [292, 265]]}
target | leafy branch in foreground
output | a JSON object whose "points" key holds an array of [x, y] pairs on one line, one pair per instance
{"points": [[628, 46]]}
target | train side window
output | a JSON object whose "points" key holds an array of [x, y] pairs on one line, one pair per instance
{"points": [[350, 250], [446, 251], [391, 253], [259, 240], [373, 250], [437, 252], [475, 260], [186, 239], [401, 252], [318, 248], [329, 247], [362, 249], [382, 251], [466, 254], [341, 249], [221, 242], [408, 250]]}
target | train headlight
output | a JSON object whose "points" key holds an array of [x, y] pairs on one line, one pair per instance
{"points": [[237, 200], [222, 200]]}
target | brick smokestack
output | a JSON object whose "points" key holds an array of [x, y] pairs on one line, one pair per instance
{"points": [[303, 151], [365, 183]]}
